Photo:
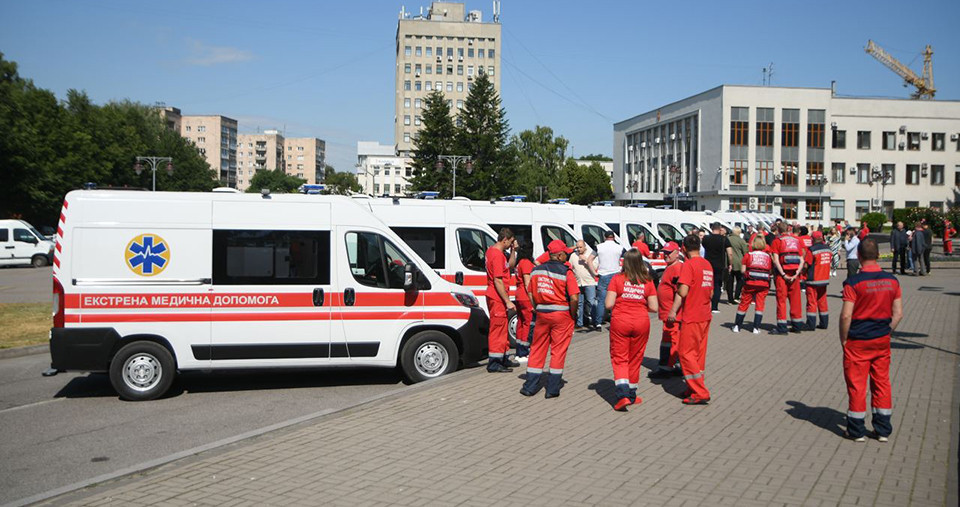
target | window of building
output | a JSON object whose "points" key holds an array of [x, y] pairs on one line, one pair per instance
{"points": [[790, 128], [789, 209], [459, 70], [490, 54], [863, 173], [459, 86], [408, 172], [839, 139], [418, 103], [406, 137], [439, 69], [406, 119], [836, 210], [889, 172], [449, 86], [429, 69], [738, 172], [202, 128], [473, 244], [839, 170], [406, 103], [815, 175], [791, 173], [375, 261], [765, 172], [469, 52], [417, 86], [418, 51], [427, 242], [406, 68], [429, 50], [956, 176], [439, 52], [469, 70], [938, 141], [913, 141], [416, 120], [406, 51], [814, 209], [890, 140], [815, 127], [450, 52], [376, 189], [937, 205], [268, 257], [490, 70], [459, 104], [438, 86], [862, 208], [739, 126], [911, 204], [863, 139], [764, 126], [913, 174], [739, 203], [449, 70], [936, 175], [406, 85], [188, 128]]}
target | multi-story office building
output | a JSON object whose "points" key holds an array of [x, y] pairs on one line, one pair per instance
{"points": [[216, 138], [305, 157], [801, 152], [380, 171], [258, 152], [444, 49]]}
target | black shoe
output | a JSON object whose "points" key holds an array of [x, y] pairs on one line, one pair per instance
{"points": [[525, 392], [777, 331], [796, 329], [821, 327], [498, 368], [510, 363], [598, 329], [551, 395]]}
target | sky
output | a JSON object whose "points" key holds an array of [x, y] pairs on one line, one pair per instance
{"points": [[326, 69]]}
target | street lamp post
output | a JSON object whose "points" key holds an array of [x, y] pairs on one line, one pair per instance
{"points": [[675, 174], [153, 161], [541, 188], [454, 160]]}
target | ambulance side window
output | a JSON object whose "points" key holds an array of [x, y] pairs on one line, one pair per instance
{"points": [[669, 233], [374, 261], [549, 233], [427, 242], [633, 232], [473, 245], [593, 235], [4, 235], [257, 257]]}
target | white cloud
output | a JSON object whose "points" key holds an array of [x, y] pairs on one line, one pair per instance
{"points": [[206, 55]]}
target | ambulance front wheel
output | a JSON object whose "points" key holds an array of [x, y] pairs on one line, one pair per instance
{"points": [[142, 371], [512, 321], [427, 355]]}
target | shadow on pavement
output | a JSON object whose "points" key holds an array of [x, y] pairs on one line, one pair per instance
{"points": [[605, 389], [97, 385], [827, 418], [901, 341]]}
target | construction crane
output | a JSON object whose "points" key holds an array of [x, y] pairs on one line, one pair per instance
{"points": [[924, 84]]}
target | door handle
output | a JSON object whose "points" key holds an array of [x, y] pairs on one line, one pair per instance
{"points": [[318, 297], [349, 296], [9, 247], [458, 278]]}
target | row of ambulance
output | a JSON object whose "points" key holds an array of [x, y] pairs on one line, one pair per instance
{"points": [[149, 284]]}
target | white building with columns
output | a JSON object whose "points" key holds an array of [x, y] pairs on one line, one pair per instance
{"points": [[804, 153]]}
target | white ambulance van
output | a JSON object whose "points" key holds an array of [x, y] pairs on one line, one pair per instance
{"points": [[585, 223], [22, 245], [147, 284], [529, 222]]}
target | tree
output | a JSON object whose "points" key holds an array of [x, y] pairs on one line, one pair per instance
{"points": [[340, 183], [483, 135], [277, 181], [436, 137], [597, 158], [539, 160], [586, 184]]}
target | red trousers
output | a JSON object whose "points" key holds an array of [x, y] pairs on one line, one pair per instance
{"points": [[628, 341], [552, 333], [948, 246], [498, 339], [524, 316], [865, 360], [753, 294], [816, 300], [693, 356], [669, 345], [788, 291]]}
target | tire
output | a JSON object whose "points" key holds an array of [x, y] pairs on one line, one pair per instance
{"points": [[512, 322], [427, 355], [142, 371], [38, 261]]}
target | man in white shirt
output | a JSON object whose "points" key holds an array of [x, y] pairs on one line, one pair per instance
{"points": [[584, 266], [608, 254], [850, 244]]}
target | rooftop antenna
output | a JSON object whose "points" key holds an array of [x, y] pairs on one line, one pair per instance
{"points": [[768, 74], [403, 12], [496, 11]]}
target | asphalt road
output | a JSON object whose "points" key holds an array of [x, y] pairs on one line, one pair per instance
{"points": [[64, 429], [26, 285]]}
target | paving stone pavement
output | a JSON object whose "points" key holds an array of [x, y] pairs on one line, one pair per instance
{"points": [[771, 435]]}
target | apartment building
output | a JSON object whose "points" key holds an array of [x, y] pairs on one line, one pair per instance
{"points": [[380, 171], [170, 116], [216, 138], [305, 157], [804, 153], [258, 152], [444, 49]]}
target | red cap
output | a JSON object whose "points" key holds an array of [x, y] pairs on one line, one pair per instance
{"points": [[817, 235], [556, 246], [670, 247]]}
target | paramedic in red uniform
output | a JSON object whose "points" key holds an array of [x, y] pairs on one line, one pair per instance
{"points": [[819, 258], [498, 300], [807, 241], [694, 294], [554, 292], [872, 309], [669, 339], [522, 299], [757, 267], [642, 246], [630, 297], [948, 233], [787, 251]]}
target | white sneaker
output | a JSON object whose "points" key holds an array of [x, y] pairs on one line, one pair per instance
{"points": [[715, 311], [736, 329], [521, 360], [756, 330], [883, 439]]}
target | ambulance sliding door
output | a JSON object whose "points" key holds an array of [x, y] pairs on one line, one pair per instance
{"points": [[271, 284]]}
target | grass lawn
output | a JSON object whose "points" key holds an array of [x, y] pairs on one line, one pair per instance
{"points": [[24, 324]]}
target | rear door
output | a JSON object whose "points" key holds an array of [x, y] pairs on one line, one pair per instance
{"points": [[6, 246]]}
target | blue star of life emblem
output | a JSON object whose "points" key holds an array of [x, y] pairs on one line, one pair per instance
{"points": [[147, 255]]}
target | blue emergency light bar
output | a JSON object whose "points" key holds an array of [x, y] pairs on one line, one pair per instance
{"points": [[514, 198], [311, 188], [427, 195]]}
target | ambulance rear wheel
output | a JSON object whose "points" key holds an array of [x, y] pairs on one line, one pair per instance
{"points": [[512, 322], [38, 261], [427, 355], [142, 371]]}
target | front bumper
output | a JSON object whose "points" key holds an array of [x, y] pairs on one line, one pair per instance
{"points": [[82, 349], [473, 336]]}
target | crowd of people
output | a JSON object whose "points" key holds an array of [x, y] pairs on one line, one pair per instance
{"points": [[568, 288]]}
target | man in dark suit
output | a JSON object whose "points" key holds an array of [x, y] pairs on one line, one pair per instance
{"points": [[898, 246]]}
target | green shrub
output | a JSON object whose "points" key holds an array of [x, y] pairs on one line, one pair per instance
{"points": [[903, 215], [874, 221]]}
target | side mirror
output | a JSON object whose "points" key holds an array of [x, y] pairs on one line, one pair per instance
{"points": [[28, 239], [458, 278], [411, 277]]}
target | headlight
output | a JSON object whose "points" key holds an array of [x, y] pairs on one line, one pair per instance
{"points": [[466, 300]]}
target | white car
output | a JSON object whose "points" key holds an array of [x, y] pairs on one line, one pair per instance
{"points": [[22, 245]]}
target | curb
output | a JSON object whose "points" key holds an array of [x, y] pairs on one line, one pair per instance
{"points": [[64, 493], [24, 351]]}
